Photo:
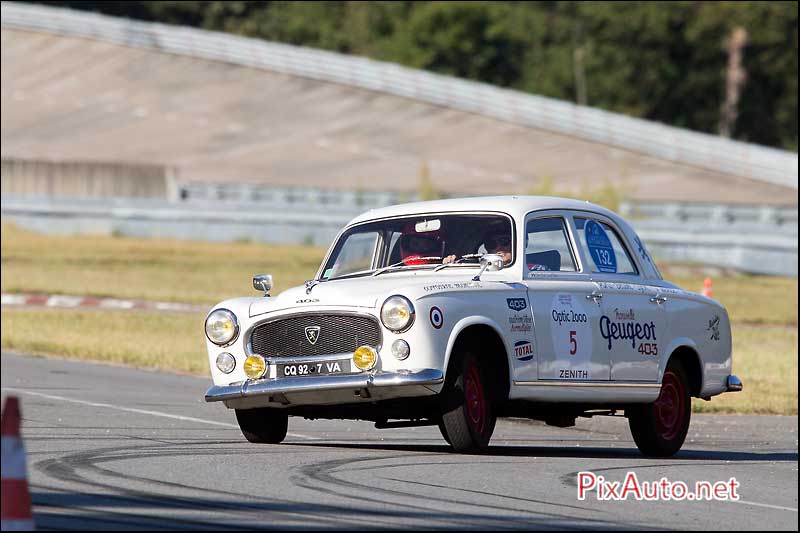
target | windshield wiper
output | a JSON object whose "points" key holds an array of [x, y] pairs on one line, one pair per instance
{"points": [[457, 261], [403, 263], [350, 275]]}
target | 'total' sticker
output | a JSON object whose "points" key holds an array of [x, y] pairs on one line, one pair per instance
{"points": [[437, 317]]}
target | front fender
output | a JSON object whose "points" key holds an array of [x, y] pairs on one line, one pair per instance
{"points": [[464, 323]]}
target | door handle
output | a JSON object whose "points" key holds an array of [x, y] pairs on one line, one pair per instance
{"points": [[594, 296], [658, 300]]}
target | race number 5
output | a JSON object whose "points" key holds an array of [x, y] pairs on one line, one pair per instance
{"points": [[573, 342]]}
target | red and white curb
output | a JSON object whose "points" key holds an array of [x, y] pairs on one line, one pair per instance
{"points": [[75, 302]]}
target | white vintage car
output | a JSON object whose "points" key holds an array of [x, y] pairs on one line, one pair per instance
{"points": [[456, 312]]}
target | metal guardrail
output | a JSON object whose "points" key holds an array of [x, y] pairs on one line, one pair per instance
{"points": [[670, 214], [707, 151], [750, 247], [352, 201], [768, 216], [164, 219]]}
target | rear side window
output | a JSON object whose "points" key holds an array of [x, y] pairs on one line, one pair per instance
{"points": [[547, 246], [604, 248]]}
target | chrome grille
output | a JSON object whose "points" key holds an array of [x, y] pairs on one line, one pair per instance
{"points": [[286, 337]]}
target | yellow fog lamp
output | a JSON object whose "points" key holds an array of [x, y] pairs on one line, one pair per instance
{"points": [[365, 357], [254, 366]]}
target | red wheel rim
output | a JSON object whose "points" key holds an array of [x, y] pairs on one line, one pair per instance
{"points": [[670, 406], [476, 403]]}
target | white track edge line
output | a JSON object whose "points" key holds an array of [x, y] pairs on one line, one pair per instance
{"points": [[138, 411]]}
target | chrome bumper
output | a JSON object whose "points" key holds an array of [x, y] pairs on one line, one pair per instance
{"points": [[734, 384], [354, 382]]}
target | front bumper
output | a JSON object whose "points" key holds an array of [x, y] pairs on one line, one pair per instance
{"points": [[327, 390], [734, 384]]}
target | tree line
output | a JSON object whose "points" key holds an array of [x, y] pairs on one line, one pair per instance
{"points": [[725, 68]]}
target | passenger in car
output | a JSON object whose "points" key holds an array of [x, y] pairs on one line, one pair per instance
{"points": [[497, 241]]}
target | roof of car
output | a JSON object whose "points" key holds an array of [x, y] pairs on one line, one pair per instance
{"points": [[516, 206]]}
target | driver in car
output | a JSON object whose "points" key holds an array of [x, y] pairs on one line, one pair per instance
{"points": [[497, 241], [423, 248]]}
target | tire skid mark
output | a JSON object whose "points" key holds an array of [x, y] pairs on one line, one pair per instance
{"points": [[490, 494], [315, 476], [65, 469]]}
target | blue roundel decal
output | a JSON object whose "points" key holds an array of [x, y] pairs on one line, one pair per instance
{"points": [[600, 247]]}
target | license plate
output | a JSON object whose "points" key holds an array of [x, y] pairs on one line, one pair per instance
{"points": [[321, 368]]}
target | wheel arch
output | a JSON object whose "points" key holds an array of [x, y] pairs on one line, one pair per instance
{"points": [[484, 333], [690, 360]]}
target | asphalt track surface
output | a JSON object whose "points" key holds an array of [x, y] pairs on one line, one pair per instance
{"points": [[116, 448]]}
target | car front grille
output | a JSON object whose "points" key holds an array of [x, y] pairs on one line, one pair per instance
{"points": [[287, 337]]}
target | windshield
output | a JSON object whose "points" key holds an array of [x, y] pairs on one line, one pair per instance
{"points": [[420, 241]]}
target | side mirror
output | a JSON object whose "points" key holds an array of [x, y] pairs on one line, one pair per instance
{"points": [[490, 262], [263, 282]]}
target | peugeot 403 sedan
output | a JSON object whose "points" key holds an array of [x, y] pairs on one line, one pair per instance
{"points": [[456, 312]]}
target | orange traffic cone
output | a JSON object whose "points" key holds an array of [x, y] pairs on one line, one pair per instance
{"points": [[707, 292], [16, 500]]}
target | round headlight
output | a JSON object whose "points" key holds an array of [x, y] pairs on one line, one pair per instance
{"points": [[222, 327], [400, 350], [226, 363], [397, 313]]}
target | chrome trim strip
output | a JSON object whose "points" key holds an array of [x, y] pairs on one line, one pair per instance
{"points": [[734, 384], [309, 358], [584, 384], [428, 376]]}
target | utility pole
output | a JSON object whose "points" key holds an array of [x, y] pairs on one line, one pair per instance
{"points": [[735, 78], [578, 67]]}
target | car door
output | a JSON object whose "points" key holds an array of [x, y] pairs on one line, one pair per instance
{"points": [[633, 321], [557, 289]]}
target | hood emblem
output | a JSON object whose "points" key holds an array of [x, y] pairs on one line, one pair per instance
{"points": [[312, 334]]}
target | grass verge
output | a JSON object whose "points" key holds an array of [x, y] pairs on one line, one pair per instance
{"points": [[750, 299], [163, 341], [150, 269], [764, 357], [763, 309], [206, 273]]}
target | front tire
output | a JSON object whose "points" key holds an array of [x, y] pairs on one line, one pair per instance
{"points": [[468, 416], [660, 428], [263, 426]]}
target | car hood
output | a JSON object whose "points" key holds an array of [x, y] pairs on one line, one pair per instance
{"points": [[368, 291]]}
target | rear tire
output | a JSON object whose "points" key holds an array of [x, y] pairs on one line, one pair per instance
{"points": [[468, 416], [659, 428], [263, 426]]}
